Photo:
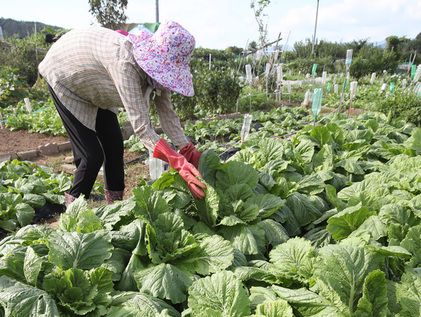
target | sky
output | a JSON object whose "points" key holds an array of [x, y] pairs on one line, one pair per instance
{"points": [[222, 23]]}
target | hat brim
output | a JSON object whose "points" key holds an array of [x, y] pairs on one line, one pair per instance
{"points": [[176, 77]]}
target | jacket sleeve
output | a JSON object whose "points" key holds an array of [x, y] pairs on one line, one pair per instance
{"points": [[169, 120], [127, 80]]}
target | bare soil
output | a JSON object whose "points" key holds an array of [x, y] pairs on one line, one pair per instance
{"points": [[19, 141]]}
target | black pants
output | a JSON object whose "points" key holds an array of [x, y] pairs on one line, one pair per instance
{"points": [[93, 149]]}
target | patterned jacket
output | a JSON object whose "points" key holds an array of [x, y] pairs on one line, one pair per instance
{"points": [[94, 68]]}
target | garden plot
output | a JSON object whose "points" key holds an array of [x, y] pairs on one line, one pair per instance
{"points": [[341, 198]]}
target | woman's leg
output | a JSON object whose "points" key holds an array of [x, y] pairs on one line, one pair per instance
{"points": [[109, 134], [87, 151]]}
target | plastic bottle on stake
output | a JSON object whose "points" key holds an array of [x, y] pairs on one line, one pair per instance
{"points": [[279, 74], [353, 89], [267, 70], [245, 129], [317, 102], [383, 87], [348, 59], [413, 71], [328, 87], [417, 75], [324, 75], [336, 88], [373, 78], [156, 167], [392, 87], [249, 77], [314, 70], [28, 105]]}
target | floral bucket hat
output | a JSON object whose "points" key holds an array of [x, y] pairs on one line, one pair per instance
{"points": [[165, 56]]}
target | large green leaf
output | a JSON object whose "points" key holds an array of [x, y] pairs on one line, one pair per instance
{"points": [[412, 243], [32, 266], [209, 163], [304, 151], [110, 215], [221, 294], [343, 223], [208, 208], [233, 173], [275, 233], [373, 302], [22, 300], [414, 142], [373, 226], [79, 218], [35, 200], [409, 294], [276, 308], [215, 254], [267, 204], [301, 210], [79, 250], [143, 305], [164, 281], [340, 273], [24, 214], [149, 203], [80, 291], [294, 258], [308, 303], [247, 239]]}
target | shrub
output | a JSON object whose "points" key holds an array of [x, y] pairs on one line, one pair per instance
{"points": [[406, 106]]}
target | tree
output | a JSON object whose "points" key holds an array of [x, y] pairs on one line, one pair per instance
{"points": [[258, 7], [109, 13]]}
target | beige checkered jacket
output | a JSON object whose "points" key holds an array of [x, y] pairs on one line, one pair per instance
{"points": [[94, 68]]}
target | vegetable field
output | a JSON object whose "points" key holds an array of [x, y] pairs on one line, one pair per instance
{"points": [[303, 220]]}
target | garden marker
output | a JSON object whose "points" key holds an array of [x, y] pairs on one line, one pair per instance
{"points": [[317, 103], [210, 61], [314, 70], [28, 105], [348, 62], [156, 167], [279, 74], [417, 89], [249, 77], [373, 78], [352, 93], [245, 130], [383, 87], [275, 55], [404, 83], [353, 89], [267, 73], [348, 59], [392, 87], [417, 75], [413, 71], [328, 87], [336, 88], [324, 75], [267, 70]]}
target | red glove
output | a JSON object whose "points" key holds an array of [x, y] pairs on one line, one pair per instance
{"points": [[186, 170], [191, 154], [122, 32]]}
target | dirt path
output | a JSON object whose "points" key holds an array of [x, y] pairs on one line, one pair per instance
{"points": [[18, 141]]}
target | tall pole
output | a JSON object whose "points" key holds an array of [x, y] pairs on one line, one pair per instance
{"points": [[315, 28], [157, 10]]}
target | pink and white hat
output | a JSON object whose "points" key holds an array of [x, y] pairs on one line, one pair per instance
{"points": [[165, 56]]}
